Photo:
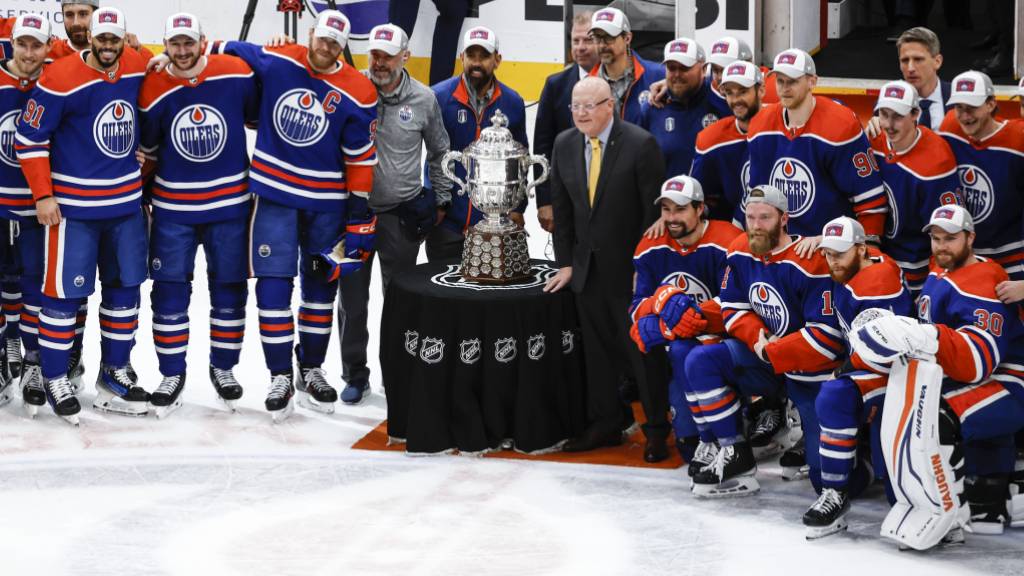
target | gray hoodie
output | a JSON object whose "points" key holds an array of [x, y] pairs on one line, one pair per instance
{"points": [[407, 119]]}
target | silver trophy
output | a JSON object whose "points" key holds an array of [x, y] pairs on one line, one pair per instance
{"points": [[497, 171]]}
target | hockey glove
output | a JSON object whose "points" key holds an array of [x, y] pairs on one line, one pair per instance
{"points": [[649, 332], [682, 315], [887, 338], [359, 236], [331, 264]]}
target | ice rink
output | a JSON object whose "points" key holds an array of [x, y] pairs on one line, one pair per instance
{"points": [[209, 492]]}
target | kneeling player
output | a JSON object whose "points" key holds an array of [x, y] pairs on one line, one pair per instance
{"points": [[862, 278]]}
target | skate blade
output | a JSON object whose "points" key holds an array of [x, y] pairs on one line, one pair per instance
{"points": [[307, 401], [72, 419], [954, 537], [793, 473], [819, 532], [121, 408], [731, 488], [165, 411], [31, 410], [281, 415], [6, 395], [985, 528], [231, 405]]}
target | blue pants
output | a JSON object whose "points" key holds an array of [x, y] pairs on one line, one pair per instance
{"points": [[74, 250], [685, 420], [842, 412], [990, 414]]}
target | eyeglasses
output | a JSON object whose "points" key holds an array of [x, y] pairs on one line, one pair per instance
{"points": [[604, 39], [576, 107]]}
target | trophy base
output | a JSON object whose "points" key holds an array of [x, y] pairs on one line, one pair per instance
{"points": [[495, 258]]}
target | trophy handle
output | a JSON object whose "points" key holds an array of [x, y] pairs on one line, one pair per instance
{"points": [[544, 169], [447, 164]]}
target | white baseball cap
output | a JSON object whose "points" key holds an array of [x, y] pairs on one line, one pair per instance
{"points": [[682, 190], [898, 96], [841, 234], [93, 3], [32, 25], [727, 49], [972, 88], [388, 38], [183, 24], [333, 25], [108, 21], [481, 36], [770, 195], [794, 63], [610, 20], [952, 218], [741, 72], [685, 51]]}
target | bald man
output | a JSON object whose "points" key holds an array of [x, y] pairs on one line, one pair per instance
{"points": [[605, 177]]}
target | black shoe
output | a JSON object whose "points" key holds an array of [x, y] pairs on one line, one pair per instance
{"points": [[655, 450], [986, 43], [987, 497], [628, 390], [592, 439]]}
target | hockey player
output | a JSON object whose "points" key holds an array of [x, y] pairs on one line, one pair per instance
{"points": [[862, 278], [990, 165], [979, 344], [192, 116], [311, 173], [725, 51], [679, 270], [87, 187], [720, 161], [687, 109], [777, 306], [814, 150], [919, 174]]}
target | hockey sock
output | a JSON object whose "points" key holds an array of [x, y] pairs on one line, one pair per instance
{"points": [[273, 298], [119, 318], [29, 325], [685, 420], [802, 394], [56, 334], [83, 314], [838, 406], [707, 370], [316, 314], [170, 324], [227, 322], [12, 305]]}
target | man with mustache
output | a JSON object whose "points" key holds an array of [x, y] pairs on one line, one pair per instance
{"points": [[408, 118], [629, 76], [77, 15], [785, 340], [88, 189], [468, 102]]}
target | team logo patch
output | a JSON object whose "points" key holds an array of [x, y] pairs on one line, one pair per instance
{"points": [[786, 58], [604, 16], [892, 219], [768, 304], [199, 133], [462, 117], [670, 124], [535, 347], [924, 309], [299, 117], [737, 70], [384, 34], [32, 22], [157, 264], [796, 182], [405, 113], [8, 130], [681, 47], [977, 191], [336, 23], [479, 35], [432, 350], [896, 92], [79, 281], [720, 48], [108, 18], [965, 86], [452, 278], [568, 341], [412, 342], [644, 97], [708, 120], [834, 230], [182, 22], [114, 129], [263, 250], [675, 185], [505, 349], [469, 351], [690, 284]]}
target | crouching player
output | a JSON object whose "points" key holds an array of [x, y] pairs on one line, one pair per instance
{"points": [[979, 344]]}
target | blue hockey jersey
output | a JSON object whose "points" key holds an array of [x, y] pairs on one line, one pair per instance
{"points": [[675, 127], [721, 165], [16, 200], [825, 167], [195, 132]]}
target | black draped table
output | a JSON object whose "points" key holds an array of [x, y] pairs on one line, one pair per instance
{"points": [[474, 367]]}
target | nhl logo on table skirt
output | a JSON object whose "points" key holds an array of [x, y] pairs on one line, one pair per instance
{"points": [[114, 129], [469, 351], [8, 129], [412, 341], [768, 304], [199, 133], [535, 347], [976, 190], [505, 349], [432, 350], [299, 118], [794, 179], [568, 341]]}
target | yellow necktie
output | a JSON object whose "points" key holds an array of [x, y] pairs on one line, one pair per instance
{"points": [[595, 167]]}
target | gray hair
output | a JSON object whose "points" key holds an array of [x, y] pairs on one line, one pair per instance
{"points": [[582, 18], [920, 35]]}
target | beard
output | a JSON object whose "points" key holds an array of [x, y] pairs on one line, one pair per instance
{"points": [[78, 35], [683, 232], [953, 260], [184, 64], [844, 275], [762, 242], [96, 51], [480, 82], [384, 78], [752, 111]]}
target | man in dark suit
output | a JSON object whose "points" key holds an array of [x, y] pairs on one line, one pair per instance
{"points": [[553, 116], [605, 177], [920, 59]]}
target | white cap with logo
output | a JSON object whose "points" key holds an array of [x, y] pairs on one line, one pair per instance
{"points": [[972, 88], [898, 96], [332, 25], [727, 49], [32, 25], [481, 36], [611, 21], [794, 63], [388, 38], [183, 24], [740, 72], [682, 190], [841, 234], [108, 21], [685, 51], [770, 195], [952, 218]]}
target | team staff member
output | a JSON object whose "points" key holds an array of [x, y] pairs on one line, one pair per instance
{"points": [[629, 76]]}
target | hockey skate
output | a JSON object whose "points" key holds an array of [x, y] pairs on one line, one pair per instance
{"points": [[768, 431], [76, 370], [167, 396], [14, 361], [1017, 496], [6, 390], [987, 497], [828, 515], [314, 391], [730, 474], [228, 389], [279, 398], [62, 399], [704, 455], [794, 463], [118, 393], [33, 394]]}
